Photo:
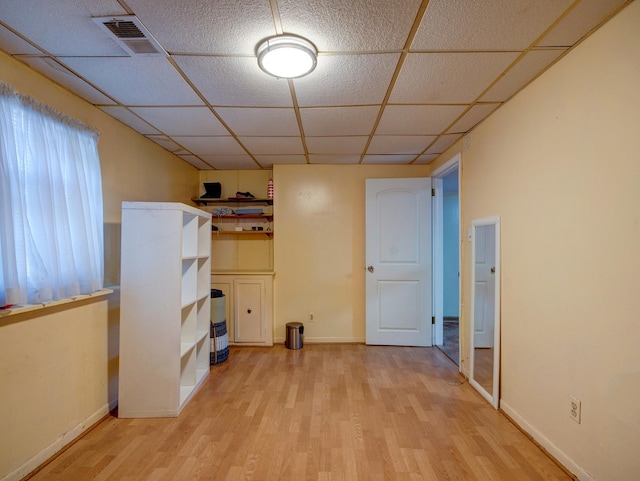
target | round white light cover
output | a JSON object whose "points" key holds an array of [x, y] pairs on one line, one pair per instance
{"points": [[286, 56]]}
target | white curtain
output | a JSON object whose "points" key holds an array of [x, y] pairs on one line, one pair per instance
{"points": [[51, 241]]}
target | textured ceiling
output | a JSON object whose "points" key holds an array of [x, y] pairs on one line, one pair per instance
{"points": [[397, 82]]}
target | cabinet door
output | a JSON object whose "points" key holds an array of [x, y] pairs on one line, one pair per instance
{"points": [[249, 310]]}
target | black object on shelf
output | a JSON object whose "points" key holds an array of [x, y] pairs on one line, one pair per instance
{"points": [[213, 190]]}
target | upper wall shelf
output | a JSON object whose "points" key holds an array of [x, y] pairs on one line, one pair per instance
{"points": [[269, 217], [231, 200]]}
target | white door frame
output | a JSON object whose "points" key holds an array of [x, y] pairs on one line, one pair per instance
{"points": [[438, 235]]}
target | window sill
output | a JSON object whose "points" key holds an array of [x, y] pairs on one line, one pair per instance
{"points": [[20, 309]]}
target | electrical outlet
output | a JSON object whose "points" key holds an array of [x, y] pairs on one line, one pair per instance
{"points": [[311, 317], [575, 408]]}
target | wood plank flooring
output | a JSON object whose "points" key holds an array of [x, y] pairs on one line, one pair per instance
{"points": [[340, 412]]}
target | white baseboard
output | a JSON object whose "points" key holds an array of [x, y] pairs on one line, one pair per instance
{"points": [[65, 439], [568, 463], [326, 340]]}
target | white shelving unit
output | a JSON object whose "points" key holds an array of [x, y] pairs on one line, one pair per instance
{"points": [[164, 307]]}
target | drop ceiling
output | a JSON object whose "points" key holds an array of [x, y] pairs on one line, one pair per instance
{"points": [[397, 82]]}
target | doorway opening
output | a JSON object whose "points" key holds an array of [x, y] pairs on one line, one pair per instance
{"points": [[446, 262]]}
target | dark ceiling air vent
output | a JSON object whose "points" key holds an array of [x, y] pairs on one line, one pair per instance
{"points": [[128, 32]]}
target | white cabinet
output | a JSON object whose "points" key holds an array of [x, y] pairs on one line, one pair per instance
{"points": [[249, 303], [165, 307]]}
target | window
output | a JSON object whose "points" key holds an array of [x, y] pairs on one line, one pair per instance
{"points": [[51, 241]]}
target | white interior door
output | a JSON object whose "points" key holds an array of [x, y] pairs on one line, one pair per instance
{"points": [[398, 262], [484, 305]]}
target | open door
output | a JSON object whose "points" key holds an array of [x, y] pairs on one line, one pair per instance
{"points": [[398, 262]]}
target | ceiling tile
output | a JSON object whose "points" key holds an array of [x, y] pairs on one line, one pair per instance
{"points": [[166, 143], [336, 145], [399, 144], [196, 162], [443, 143], [14, 45], [448, 77], [347, 80], [230, 162], [182, 120], [585, 16], [388, 159], [136, 81], [417, 119], [495, 25], [63, 76], [475, 115], [214, 27], [63, 27], [222, 145], [354, 25], [260, 122], [235, 82], [338, 121], [426, 158], [268, 161], [273, 145], [130, 119], [334, 159], [521, 74]]}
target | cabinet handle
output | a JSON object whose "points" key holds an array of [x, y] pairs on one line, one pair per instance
{"points": [[248, 311]]}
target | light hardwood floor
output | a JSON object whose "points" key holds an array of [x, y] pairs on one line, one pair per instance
{"points": [[341, 412]]}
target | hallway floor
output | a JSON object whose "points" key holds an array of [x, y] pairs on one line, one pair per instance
{"points": [[451, 340]]}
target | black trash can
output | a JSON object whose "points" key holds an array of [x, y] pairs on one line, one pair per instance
{"points": [[219, 336], [295, 330]]}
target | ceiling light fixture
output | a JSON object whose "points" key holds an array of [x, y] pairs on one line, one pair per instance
{"points": [[287, 56]]}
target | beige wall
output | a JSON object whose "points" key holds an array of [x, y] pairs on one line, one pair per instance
{"points": [[58, 369], [53, 373], [317, 250], [319, 241], [559, 164]]}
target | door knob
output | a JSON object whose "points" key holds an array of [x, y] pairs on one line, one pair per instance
{"points": [[493, 270], [370, 268], [248, 311]]}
